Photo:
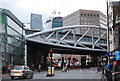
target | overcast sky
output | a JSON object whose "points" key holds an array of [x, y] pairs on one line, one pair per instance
{"points": [[23, 8]]}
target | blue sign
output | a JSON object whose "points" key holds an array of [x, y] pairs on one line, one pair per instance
{"points": [[107, 66], [110, 54], [117, 55], [106, 54]]}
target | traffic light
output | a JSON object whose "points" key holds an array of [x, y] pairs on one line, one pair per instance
{"points": [[62, 63], [51, 52], [62, 58]]}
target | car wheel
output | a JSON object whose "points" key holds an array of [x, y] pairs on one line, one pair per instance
{"points": [[12, 77], [24, 77], [31, 77]]}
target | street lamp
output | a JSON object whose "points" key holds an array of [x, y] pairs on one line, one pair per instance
{"points": [[108, 44]]}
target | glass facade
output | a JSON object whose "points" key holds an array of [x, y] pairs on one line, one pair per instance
{"points": [[57, 22], [12, 43], [36, 21]]}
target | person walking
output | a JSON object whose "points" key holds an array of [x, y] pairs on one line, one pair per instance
{"points": [[3, 70], [66, 67], [39, 68], [103, 66], [33, 67]]}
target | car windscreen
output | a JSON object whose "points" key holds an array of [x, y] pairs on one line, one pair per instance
{"points": [[17, 68]]}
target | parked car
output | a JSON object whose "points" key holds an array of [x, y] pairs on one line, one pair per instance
{"points": [[21, 72]]}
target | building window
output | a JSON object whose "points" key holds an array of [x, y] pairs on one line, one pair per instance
{"points": [[84, 14], [81, 18], [81, 14], [81, 23]]}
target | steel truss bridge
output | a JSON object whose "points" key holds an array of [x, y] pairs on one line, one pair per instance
{"points": [[79, 37]]}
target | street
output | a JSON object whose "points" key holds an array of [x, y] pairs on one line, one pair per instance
{"points": [[83, 74]]}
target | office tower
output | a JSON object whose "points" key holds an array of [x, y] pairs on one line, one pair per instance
{"points": [[36, 21], [85, 17], [54, 22]]}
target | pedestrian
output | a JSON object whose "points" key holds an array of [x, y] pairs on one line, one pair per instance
{"points": [[4, 69], [39, 68], [66, 68], [33, 67], [103, 69], [9, 69]]}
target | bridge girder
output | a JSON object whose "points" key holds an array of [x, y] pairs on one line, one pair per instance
{"points": [[73, 37]]}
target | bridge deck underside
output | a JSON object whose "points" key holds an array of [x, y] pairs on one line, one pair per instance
{"points": [[62, 50]]}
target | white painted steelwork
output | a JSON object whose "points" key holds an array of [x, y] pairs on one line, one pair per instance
{"points": [[68, 37]]}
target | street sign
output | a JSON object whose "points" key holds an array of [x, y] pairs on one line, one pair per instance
{"points": [[110, 54], [106, 54], [117, 55]]}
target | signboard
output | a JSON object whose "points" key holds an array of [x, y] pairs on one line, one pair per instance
{"points": [[117, 55], [106, 55], [104, 59], [110, 54]]}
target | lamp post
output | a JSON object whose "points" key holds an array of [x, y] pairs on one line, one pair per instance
{"points": [[108, 44]]}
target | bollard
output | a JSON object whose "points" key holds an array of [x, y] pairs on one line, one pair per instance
{"points": [[63, 69], [50, 73], [49, 70]]}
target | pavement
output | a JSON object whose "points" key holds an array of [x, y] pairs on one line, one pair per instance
{"points": [[4, 75]]}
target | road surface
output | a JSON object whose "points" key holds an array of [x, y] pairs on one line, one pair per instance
{"points": [[77, 74]]}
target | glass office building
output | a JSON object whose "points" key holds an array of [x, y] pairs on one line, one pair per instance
{"points": [[54, 22], [57, 22], [36, 22], [12, 42]]}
